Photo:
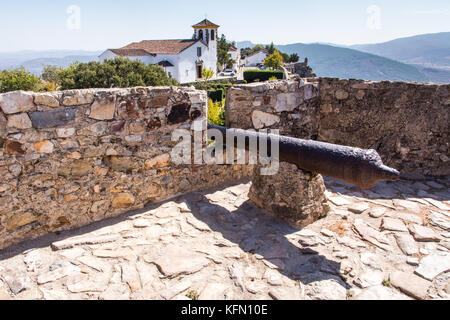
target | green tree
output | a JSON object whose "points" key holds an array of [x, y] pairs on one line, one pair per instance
{"points": [[294, 57], [256, 48], [271, 48], [274, 61], [286, 57], [223, 57], [18, 79], [117, 72], [51, 74]]}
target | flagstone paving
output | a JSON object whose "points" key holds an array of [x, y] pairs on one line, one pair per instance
{"points": [[390, 242]]}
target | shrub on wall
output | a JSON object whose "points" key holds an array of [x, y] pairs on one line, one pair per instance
{"points": [[216, 112], [117, 73], [262, 75]]}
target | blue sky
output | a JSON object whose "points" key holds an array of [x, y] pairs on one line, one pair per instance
{"points": [[43, 24]]}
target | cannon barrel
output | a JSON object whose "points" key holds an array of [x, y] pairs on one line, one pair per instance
{"points": [[363, 168]]}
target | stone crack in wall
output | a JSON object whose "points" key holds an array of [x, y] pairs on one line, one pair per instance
{"points": [[70, 158]]}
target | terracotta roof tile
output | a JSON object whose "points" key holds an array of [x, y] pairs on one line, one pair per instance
{"points": [[130, 52], [161, 46], [205, 23]]}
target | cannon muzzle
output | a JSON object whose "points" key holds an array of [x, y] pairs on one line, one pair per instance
{"points": [[363, 168]]}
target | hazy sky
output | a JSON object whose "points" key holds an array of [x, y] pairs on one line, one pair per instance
{"points": [[101, 24]]}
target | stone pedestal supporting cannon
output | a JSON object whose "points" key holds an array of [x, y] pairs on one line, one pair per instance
{"points": [[296, 191]]}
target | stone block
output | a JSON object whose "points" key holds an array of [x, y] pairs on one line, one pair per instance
{"points": [[46, 99], [19, 121], [16, 101], [103, 109], [263, 120], [293, 195], [51, 119]]}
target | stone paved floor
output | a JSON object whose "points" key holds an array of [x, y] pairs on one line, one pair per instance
{"points": [[391, 242]]}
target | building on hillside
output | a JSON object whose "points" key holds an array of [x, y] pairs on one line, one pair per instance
{"points": [[235, 54], [183, 60], [256, 57]]}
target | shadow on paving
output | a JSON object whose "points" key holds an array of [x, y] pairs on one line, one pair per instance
{"points": [[252, 229], [258, 232]]}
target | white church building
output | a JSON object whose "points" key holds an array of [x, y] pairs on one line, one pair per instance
{"points": [[183, 60]]}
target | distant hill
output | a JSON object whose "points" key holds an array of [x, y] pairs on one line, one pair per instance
{"points": [[427, 50], [331, 61], [35, 61], [244, 44]]}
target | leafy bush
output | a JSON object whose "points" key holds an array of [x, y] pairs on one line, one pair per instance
{"points": [[118, 73], [274, 61], [18, 79], [51, 74], [216, 112], [48, 86], [262, 75], [216, 95]]}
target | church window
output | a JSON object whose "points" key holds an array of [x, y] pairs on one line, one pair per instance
{"points": [[212, 35], [199, 52], [200, 34]]}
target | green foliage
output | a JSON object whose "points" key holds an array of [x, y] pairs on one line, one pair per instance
{"points": [[262, 75], [273, 78], [18, 79], [211, 85], [207, 74], [216, 112], [118, 73], [48, 86], [274, 61], [387, 283], [51, 74], [294, 58], [216, 95], [271, 48], [285, 57], [223, 57]]}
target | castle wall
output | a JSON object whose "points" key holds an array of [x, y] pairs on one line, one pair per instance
{"points": [[407, 123], [70, 158]]}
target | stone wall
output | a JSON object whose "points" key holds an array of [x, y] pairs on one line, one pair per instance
{"points": [[407, 123], [288, 105], [71, 158]]}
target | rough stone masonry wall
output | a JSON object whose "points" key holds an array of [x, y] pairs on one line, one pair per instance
{"points": [[407, 123], [71, 158]]}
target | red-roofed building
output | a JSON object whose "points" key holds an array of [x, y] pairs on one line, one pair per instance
{"points": [[182, 59]]}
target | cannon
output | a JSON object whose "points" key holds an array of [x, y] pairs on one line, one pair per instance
{"points": [[363, 168]]}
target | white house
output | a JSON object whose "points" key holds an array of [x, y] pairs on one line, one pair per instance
{"points": [[256, 57], [235, 54], [183, 60]]}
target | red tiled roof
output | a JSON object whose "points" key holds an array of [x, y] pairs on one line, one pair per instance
{"points": [[233, 48], [205, 23], [148, 47], [130, 52]]}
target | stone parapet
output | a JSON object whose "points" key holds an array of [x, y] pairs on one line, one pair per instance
{"points": [[407, 123], [74, 157]]}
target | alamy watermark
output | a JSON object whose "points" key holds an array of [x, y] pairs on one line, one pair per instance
{"points": [[236, 147], [373, 21], [74, 20]]}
